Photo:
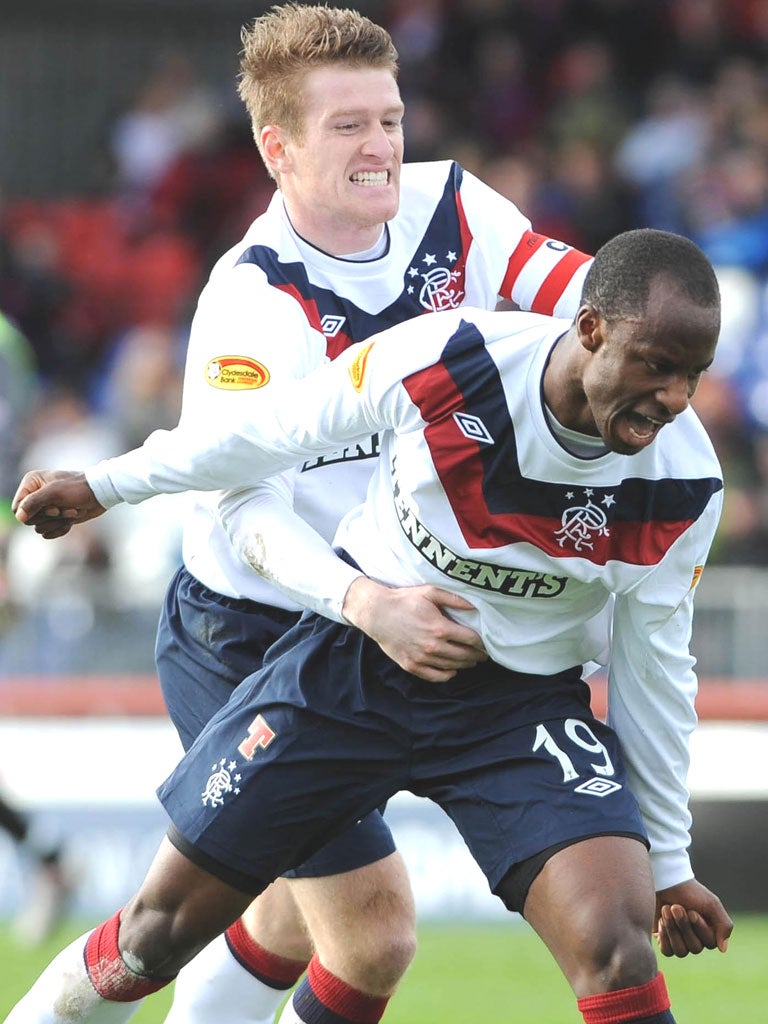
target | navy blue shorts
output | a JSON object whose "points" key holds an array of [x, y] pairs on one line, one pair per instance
{"points": [[206, 645], [330, 728]]}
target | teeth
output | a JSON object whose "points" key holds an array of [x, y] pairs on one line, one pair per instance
{"points": [[370, 178], [641, 433], [652, 424]]}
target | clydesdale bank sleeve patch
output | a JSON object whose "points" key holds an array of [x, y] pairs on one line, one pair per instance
{"points": [[236, 373]]}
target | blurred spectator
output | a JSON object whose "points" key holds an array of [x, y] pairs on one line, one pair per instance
{"points": [[700, 32], [45, 902], [173, 111], [49, 885], [586, 196], [64, 588], [586, 104], [657, 150], [504, 105], [18, 391], [213, 190], [731, 225], [139, 385], [522, 178], [64, 433]]}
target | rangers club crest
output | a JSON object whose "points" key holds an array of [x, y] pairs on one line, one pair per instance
{"points": [[220, 783], [581, 524], [439, 287]]}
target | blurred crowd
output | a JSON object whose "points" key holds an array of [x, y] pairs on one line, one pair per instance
{"points": [[593, 116]]}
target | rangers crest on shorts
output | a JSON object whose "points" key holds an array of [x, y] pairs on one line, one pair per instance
{"points": [[220, 783]]}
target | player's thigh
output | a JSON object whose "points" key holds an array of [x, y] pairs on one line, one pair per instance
{"points": [[357, 905], [362, 923], [592, 903]]}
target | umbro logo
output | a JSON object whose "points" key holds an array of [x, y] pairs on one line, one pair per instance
{"points": [[472, 427], [598, 787], [331, 325]]}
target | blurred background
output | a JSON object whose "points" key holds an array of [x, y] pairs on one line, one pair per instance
{"points": [[127, 167]]}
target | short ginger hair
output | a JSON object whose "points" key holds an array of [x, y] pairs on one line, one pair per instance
{"points": [[281, 46]]}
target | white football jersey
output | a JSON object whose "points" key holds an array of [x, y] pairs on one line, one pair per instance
{"points": [[474, 493], [275, 308]]}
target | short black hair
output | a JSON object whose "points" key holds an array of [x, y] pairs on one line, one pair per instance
{"points": [[619, 280]]}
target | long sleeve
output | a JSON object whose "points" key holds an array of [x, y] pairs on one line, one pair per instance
{"points": [[651, 693], [537, 273], [276, 543], [358, 393]]}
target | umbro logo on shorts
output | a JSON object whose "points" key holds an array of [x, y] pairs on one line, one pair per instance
{"points": [[598, 787]]}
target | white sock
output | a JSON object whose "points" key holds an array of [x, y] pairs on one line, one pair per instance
{"points": [[63, 994], [289, 1014], [214, 988]]}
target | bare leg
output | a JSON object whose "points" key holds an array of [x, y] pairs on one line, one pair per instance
{"points": [[593, 906], [362, 923], [178, 910], [276, 922], [243, 976]]}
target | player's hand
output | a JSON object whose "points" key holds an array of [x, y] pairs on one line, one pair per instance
{"points": [[410, 626], [690, 919], [53, 501]]}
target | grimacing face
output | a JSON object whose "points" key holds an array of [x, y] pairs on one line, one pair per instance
{"points": [[644, 372], [341, 179]]}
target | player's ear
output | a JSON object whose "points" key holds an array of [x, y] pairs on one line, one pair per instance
{"points": [[273, 148], [590, 326]]}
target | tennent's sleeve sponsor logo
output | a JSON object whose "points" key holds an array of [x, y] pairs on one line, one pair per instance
{"points": [[357, 367], [696, 575], [236, 373]]}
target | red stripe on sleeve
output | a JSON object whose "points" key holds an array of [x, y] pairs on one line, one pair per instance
{"points": [[557, 281], [526, 247]]}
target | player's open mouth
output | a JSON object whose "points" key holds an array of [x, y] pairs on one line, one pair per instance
{"points": [[377, 178], [644, 428]]}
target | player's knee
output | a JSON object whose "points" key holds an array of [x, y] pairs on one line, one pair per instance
{"points": [[614, 958], [155, 942], [377, 966], [395, 954], [390, 945]]}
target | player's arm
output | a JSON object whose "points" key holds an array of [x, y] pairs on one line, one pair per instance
{"points": [[246, 340], [651, 693], [410, 624], [357, 394], [533, 271]]}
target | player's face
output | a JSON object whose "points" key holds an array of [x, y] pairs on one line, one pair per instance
{"points": [[341, 180], [644, 372]]}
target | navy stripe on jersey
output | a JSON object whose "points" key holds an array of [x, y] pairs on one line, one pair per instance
{"points": [[433, 280], [471, 438]]}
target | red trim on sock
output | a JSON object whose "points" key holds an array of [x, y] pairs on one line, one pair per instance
{"points": [[108, 972], [626, 1004], [268, 966], [341, 998]]}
